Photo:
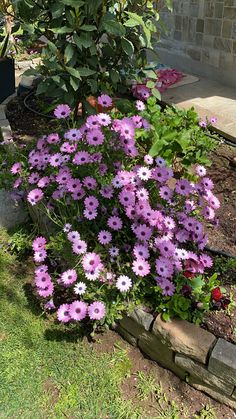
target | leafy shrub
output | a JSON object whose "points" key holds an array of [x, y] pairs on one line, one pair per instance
{"points": [[128, 231], [93, 45]]}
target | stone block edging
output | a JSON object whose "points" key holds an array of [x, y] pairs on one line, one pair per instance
{"points": [[195, 355]]}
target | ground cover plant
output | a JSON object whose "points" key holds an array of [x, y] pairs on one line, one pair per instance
{"points": [[128, 230]]}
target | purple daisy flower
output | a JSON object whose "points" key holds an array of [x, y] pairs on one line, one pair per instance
{"points": [[73, 134], [91, 202], [63, 313], [39, 243], [90, 182], [90, 214], [16, 168], [148, 159], [165, 193], [107, 191], [104, 237], [78, 310], [143, 232], [82, 157], [141, 252], [183, 187], [53, 138], [43, 280], [115, 223], [164, 267], [168, 288], [97, 310], [92, 122], [105, 101], [40, 256], [123, 283], [104, 119], [114, 251], [200, 170], [144, 173], [47, 291], [73, 236], [62, 111], [95, 137]]}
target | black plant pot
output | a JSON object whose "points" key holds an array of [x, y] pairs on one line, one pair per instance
{"points": [[7, 78]]}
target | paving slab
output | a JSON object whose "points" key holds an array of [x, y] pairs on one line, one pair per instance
{"points": [[209, 98]]}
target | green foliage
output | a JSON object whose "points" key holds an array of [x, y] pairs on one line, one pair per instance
{"points": [[207, 412], [93, 46], [21, 242], [176, 136]]}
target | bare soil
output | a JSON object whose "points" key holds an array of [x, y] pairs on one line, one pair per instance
{"points": [[189, 401]]}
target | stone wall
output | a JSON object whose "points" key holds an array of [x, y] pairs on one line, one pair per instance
{"points": [[192, 353], [201, 38]]}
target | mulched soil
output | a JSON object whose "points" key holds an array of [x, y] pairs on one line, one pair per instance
{"points": [[27, 125], [188, 400]]}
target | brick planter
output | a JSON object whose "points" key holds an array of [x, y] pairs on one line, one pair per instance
{"points": [[193, 354]]}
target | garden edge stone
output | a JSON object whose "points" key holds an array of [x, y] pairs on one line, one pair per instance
{"points": [[156, 347]]}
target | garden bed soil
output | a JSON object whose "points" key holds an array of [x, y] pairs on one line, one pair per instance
{"points": [[26, 125]]}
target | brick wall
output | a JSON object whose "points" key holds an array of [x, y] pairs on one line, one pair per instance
{"points": [[202, 32]]}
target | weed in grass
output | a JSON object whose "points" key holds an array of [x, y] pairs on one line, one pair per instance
{"points": [[206, 413]]}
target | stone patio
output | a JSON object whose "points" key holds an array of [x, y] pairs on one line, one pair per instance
{"points": [[209, 98]]}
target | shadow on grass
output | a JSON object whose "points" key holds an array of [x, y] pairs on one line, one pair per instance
{"points": [[33, 303]]}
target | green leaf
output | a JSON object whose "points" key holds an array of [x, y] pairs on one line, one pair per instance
{"points": [[69, 52], [150, 84], [127, 46], [156, 93], [85, 71], [56, 9], [114, 28], [75, 73], [63, 29], [136, 18], [115, 76], [156, 148], [88, 28], [74, 82], [151, 74]]}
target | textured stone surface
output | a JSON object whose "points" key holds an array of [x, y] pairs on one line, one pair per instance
{"points": [[126, 335], [222, 361], [217, 395], [131, 326], [234, 394], [11, 213], [154, 348], [142, 318], [200, 371], [184, 337]]}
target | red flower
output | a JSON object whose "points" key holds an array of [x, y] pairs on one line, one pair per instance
{"points": [[216, 294], [188, 274]]}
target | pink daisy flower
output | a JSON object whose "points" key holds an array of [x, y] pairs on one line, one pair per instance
{"points": [[40, 255], [82, 157], [90, 261], [148, 159], [107, 191], [41, 269], [79, 247], [143, 232], [141, 267], [55, 160], [140, 106], [35, 196], [73, 236], [63, 313], [200, 170], [47, 291], [96, 310], [43, 280], [78, 310], [62, 111], [16, 168], [53, 138], [164, 267], [68, 277], [39, 243], [123, 283], [104, 237], [89, 182], [104, 119]]}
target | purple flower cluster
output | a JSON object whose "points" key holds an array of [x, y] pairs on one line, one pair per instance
{"points": [[130, 219]]}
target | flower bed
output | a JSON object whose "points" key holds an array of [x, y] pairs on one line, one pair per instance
{"points": [[195, 355], [129, 229]]}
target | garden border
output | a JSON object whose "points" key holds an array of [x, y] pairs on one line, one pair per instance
{"points": [[195, 355]]}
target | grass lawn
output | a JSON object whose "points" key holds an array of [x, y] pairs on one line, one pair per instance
{"points": [[43, 375], [47, 371]]}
